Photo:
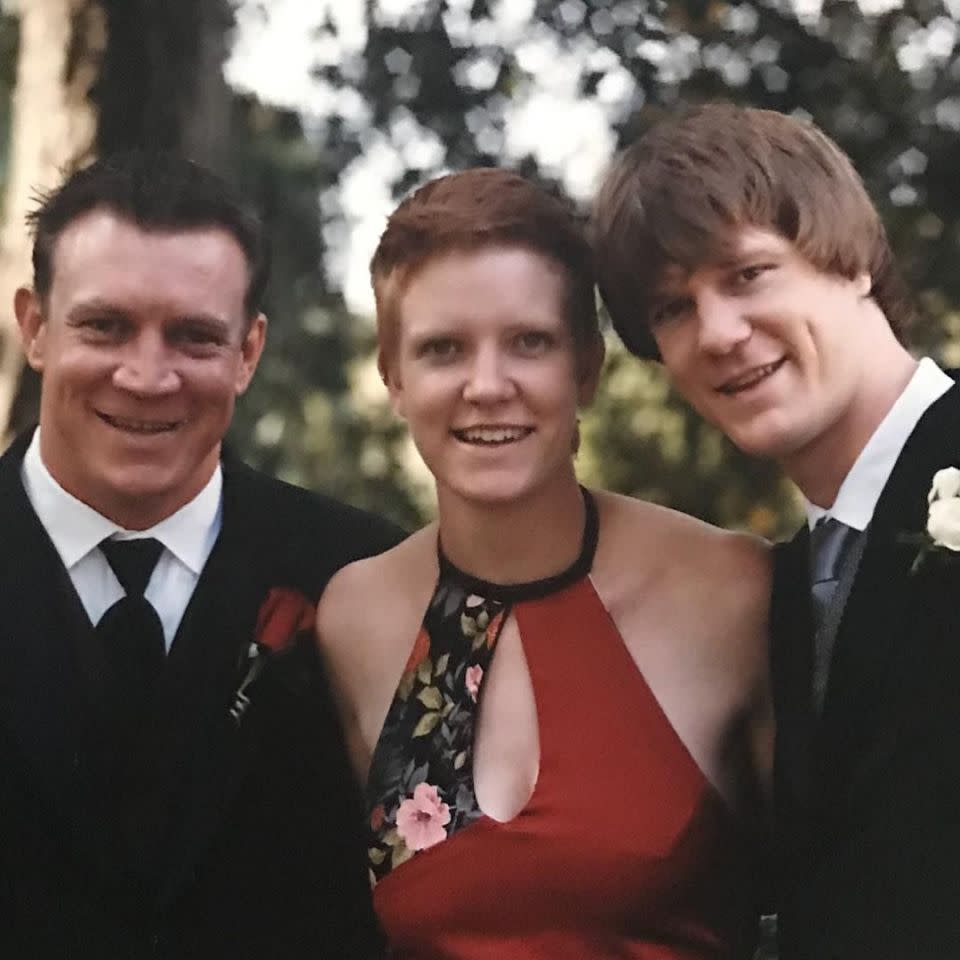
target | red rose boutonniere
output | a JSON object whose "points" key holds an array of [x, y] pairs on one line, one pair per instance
{"points": [[283, 616]]}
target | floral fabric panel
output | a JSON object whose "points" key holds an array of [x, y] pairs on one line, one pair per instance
{"points": [[420, 789]]}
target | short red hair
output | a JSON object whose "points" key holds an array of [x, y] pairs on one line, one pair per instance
{"points": [[478, 208]]}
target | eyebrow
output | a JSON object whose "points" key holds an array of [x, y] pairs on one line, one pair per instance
{"points": [[87, 307], [206, 320], [99, 306], [765, 249]]}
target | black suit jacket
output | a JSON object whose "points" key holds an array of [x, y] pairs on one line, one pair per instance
{"points": [[868, 796], [246, 842]]}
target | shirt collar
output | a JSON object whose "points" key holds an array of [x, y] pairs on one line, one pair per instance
{"points": [[861, 488], [76, 528]]}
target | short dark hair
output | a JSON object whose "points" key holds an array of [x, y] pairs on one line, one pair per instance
{"points": [[473, 209], [155, 190], [681, 192]]}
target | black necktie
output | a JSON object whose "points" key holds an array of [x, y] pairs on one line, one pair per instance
{"points": [[830, 544], [131, 632]]}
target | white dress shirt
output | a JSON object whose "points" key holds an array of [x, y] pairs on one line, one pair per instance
{"points": [[76, 530], [861, 488]]}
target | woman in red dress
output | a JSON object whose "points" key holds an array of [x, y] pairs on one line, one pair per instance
{"points": [[556, 699]]}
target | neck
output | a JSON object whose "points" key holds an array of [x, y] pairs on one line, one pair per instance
{"points": [[133, 508], [820, 468], [519, 541]]}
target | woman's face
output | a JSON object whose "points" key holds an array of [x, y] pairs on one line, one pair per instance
{"points": [[485, 373]]}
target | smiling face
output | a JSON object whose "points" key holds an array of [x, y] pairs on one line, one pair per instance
{"points": [[486, 375], [143, 346], [776, 353]]}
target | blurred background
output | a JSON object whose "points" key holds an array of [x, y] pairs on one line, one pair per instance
{"points": [[325, 113]]}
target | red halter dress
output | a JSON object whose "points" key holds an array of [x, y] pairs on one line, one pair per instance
{"points": [[624, 850]]}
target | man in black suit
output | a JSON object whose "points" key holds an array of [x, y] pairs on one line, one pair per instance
{"points": [[739, 247], [174, 782]]}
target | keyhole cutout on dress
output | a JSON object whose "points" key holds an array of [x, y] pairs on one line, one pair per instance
{"points": [[506, 758]]}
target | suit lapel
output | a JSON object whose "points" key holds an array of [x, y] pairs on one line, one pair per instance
{"points": [[875, 627], [195, 732], [52, 692], [792, 664]]}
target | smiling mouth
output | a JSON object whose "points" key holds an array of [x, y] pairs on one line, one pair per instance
{"points": [[492, 436], [143, 427], [751, 379]]}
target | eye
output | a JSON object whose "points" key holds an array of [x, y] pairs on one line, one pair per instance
{"points": [[439, 349], [667, 310], [101, 327], [198, 335], [101, 324], [533, 342], [746, 275]]}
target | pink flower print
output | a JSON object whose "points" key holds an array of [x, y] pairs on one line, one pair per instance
{"points": [[422, 817], [472, 680]]}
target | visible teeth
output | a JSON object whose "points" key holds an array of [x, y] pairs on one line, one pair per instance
{"points": [[140, 426], [492, 434], [752, 378]]}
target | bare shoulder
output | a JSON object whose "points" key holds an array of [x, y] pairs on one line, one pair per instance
{"points": [[691, 601], [366, 623], [655, 544], [367, 590]]}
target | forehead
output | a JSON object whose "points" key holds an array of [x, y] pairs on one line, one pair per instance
{"points": [[742, 243], [492, 284], [103, 256]]}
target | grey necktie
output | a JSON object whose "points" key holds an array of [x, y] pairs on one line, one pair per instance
{"points": [[831, 544]]}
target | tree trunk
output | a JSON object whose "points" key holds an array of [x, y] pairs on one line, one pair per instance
{"points": [[52, 130], [162, 84]]}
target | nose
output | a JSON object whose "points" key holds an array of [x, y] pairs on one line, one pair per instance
{"points": [[488, 377], [722, 323], [146, 367]]}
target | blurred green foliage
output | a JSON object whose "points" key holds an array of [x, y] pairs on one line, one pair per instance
{"points": [[884, 86], [9, 37]]}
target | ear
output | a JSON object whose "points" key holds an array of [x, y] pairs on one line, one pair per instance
{"points": [[590, 364], [391, 380], [33, 327], [250, 350], [863, 284]]}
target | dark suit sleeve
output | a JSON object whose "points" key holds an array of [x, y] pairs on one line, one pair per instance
{"points": [[309, 537], [288, 876]]}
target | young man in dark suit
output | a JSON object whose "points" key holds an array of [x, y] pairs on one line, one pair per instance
{"points": [[739, 247], [174, 782]]}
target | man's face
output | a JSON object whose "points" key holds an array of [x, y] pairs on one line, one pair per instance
{"points": [[767, 347], [143, 346]]}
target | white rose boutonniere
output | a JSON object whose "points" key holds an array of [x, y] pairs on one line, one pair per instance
{"points": [[943, 517], [943, 521]]}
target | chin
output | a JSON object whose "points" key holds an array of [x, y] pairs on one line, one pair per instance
{"points": [[765, 436], [496, 491], [141, 485], [767, 446]]}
